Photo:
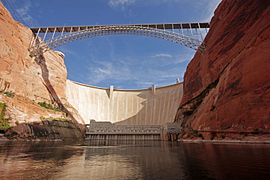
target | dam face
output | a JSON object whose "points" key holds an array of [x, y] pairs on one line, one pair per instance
{"points": [[154, 106]]}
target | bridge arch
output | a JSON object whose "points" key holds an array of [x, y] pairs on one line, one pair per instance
{"points": [[127, 30], [74, 33]]}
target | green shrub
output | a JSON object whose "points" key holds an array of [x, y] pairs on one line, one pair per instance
{"points": [[2, 110], [9, 94], [196, 133], [59, 119], [4, 124], [49, 106], [52, 119]]}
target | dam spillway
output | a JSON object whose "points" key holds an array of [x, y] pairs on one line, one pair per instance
{"points": [[153, 106]]}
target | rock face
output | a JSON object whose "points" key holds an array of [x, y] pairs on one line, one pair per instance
{"points": [[26, 81], [22, 74], [45, 130], [227, 88]]}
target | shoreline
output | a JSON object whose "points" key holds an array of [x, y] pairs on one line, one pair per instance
{"points": [[224, 141], [3, 139]]}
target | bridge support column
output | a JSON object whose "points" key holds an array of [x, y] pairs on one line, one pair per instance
{"points": [[53, 34], [44, 37], [62, 32], [35, 40]]}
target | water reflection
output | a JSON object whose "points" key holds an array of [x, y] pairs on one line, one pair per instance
{"points": [[133, 160], [33, 160]]}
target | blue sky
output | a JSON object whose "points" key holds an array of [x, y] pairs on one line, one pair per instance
{"points": [[127, 62]]}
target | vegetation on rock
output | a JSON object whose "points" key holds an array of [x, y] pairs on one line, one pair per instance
{"points": [[9, 94], [49, 106], [4, 124], [52, 119], [196, 133]]}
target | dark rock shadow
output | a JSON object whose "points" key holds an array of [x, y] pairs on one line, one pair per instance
{"points": [[41, 61]]}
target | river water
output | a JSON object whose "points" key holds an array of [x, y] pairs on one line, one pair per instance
{"points": [[133, 160]]}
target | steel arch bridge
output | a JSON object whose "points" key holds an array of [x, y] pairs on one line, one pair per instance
{"points": [[186, 34]]}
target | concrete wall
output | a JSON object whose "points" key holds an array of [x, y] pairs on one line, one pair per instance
{"points": [[134, 107]]}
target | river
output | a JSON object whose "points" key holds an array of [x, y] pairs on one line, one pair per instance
{"points": [[133, 160]]}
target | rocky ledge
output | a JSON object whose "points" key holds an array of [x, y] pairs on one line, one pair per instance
{"points": [[46, 130]]}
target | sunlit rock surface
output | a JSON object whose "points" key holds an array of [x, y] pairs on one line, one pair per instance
{"points": [[18, 71], [227, 88], [26, 81]]}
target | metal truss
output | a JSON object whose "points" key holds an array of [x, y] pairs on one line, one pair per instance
{"points": [[66, 35]]}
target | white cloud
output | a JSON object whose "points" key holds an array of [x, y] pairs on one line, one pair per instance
{"points": [[162, 55], [140, 72], [209, 8], [124, 3], [205, 7], [120, 3], [121, 72], [100, 71], [67, 51], [24, 12], [173, 58]]}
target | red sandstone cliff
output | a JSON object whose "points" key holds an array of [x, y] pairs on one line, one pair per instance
{"points": [[32, 80], [227, 88]]}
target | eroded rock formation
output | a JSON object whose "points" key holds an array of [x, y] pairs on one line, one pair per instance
{"points": [[27, 81], [227, 88], [45, 130]]}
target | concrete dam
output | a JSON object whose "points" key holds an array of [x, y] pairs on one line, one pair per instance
{"points": [[114, 114], [153, 106]]}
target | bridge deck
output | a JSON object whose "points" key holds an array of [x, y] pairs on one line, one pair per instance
{"points": [[156, 26]]}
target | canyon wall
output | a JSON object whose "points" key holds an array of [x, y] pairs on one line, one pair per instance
{"points": [[31, 88], [227, 87], [130, 107], [19, 72]]}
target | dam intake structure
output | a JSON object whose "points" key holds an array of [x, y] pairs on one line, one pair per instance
{"points": [[108, 131]]}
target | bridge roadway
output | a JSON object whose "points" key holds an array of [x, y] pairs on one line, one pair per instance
{"points": [[166, 26]]}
